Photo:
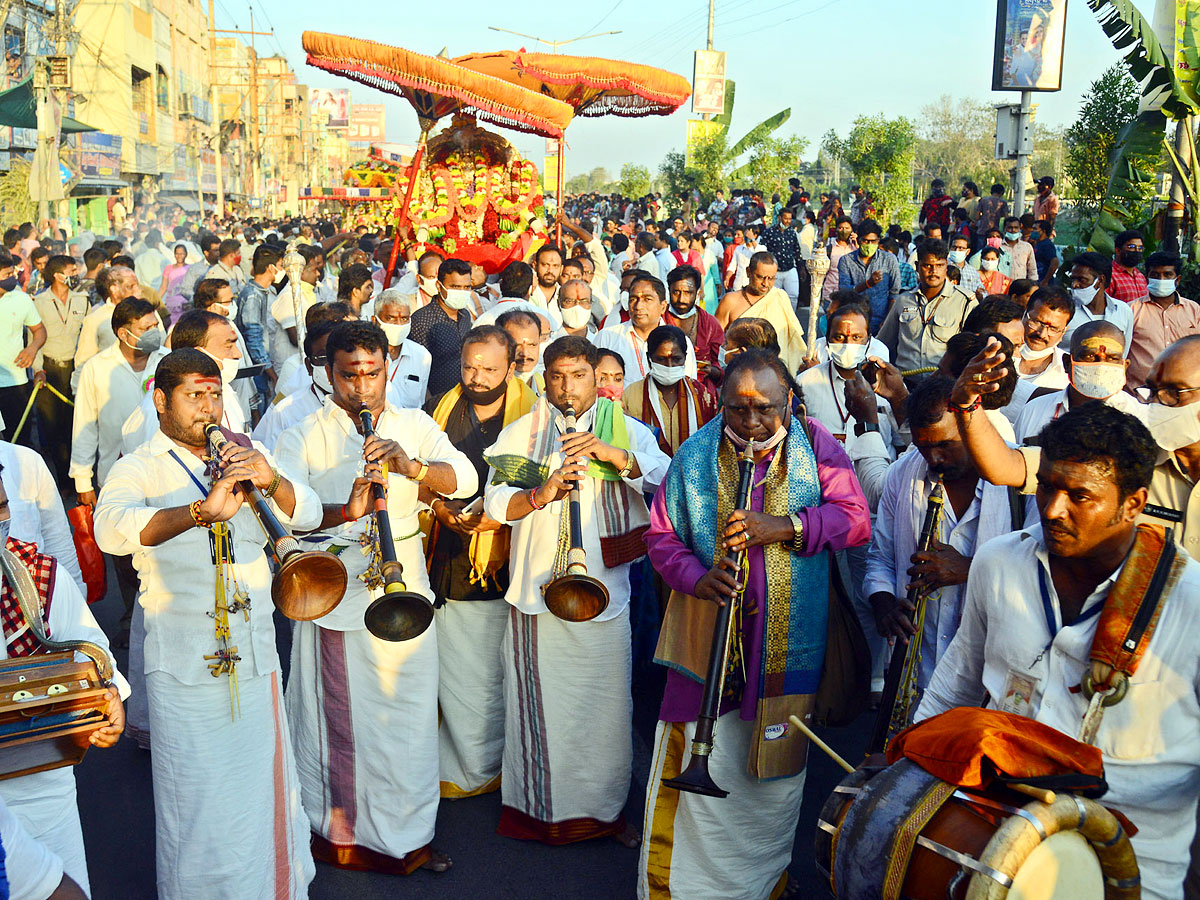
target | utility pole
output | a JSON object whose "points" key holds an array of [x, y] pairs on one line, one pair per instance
{"points": [[1024, 149], [711, 12], [253, 79], [216, 115]]}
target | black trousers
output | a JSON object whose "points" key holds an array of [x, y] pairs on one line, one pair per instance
{"points": [[55, 416], [12, 407]]}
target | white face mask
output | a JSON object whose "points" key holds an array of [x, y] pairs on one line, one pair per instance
{"points": [[625, 300], [229, 367], [847, 356], [321, 380], [1097, 380], [957, 256], [1174, 427], [575, 316], [230, 310], [1160, 287], [428, 284], [1085, 295], [667, 375], [395, 333], [280, 274], [989, 265], [687, 315], [1033, 355], [457, 298]]}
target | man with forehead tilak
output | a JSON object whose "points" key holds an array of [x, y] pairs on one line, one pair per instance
{"points": [[804, 504]]}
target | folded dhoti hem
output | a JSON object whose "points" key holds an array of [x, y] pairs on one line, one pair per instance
{"points": [[451, 791], [364, 859], [523, 827]]}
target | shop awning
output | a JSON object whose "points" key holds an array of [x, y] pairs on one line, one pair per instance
{"points": [[18, 109]]}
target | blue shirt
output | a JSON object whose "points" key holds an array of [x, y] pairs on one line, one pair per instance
{"points": [[853, 271]]}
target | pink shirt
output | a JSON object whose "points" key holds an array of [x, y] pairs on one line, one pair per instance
{"points": [[1156, 328]]}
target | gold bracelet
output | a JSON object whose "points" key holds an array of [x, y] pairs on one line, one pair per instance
{"points": [[421, 473], [274, 485]]}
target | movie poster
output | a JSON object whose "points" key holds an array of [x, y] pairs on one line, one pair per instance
{"points": [[1029, 45]]}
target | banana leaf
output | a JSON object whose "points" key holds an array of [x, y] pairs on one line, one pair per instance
{"points": [[1131, 165], [759, 131], [1149, 63]]}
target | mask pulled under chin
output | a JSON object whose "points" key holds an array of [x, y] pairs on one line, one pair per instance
{"points": [[759, 446], [1035, 355], [687, 315], [485, 396]]}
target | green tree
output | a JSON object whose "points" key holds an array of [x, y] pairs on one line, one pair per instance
{"points": [[956, 143], [770, 162], [1110, 104], [881, 153], [634, 180]]}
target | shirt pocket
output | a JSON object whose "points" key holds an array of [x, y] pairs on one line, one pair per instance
{"points": [[944, 325]]}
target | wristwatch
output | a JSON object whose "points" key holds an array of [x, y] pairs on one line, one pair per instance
{"points": [[797, 542], [624, 473], [861, 428]]}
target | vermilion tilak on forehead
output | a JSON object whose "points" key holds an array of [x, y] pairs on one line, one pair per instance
{"points": [[205, 379]]}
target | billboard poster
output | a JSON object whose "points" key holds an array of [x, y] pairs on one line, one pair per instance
{"points": [[708, 82], [1029, 45], [698, 130], [99, 155], [336, 104], [366, 122]]}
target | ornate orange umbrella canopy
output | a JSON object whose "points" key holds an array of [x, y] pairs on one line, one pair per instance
{"points": [[591, 85], [437, 87]]}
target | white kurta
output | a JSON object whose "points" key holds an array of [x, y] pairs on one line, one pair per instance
{"points": [[1150, 741], [623, 340], [36, 507], [109, 390], [289, 411], [359, 704], [33, 870], [408, 376], [44, 802]]}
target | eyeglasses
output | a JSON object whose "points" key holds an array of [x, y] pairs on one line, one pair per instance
{"points": [[1167, 396], [1039, 325]]}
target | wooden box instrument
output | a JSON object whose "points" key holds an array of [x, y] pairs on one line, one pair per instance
{"points": [[49, 707]]}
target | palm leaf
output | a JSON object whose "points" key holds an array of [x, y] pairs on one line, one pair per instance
{"points": [[1148, 62], [1131, 165], [759, 131]]}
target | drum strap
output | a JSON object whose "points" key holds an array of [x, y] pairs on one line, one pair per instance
{"points": [[908, 832], [22, 584]]}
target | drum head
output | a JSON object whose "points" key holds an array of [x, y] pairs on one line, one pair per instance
{"points": [[1062, 867]]}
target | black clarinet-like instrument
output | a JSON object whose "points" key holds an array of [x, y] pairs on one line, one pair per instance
{"points": [[400, 614], [574, 595], [309, 583], [898, 690], [695, 778]]}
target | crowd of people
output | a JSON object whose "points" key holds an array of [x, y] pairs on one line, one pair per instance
{"points": [[629, 362]]}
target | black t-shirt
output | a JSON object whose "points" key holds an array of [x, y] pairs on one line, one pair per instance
{"points": [[442, 337]]}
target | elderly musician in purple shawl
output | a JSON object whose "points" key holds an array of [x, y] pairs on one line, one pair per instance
{"points": [[804, 504]]}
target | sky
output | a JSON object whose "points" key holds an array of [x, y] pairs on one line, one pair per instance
{"points": [[829, 60]]}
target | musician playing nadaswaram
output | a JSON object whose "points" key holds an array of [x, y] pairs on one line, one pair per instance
{"points": [[805, 504], [567, 704], [1043, 605], [44, 802], [228, 821], [364, 710]]}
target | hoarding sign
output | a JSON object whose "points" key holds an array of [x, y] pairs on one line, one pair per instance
{"points": [[708, 82], [1029, 45], [366, 122], [336, 104]]}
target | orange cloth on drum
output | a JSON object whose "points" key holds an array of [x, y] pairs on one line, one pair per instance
{"points": [[972, 747]]}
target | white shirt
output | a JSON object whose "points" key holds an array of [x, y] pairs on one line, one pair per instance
{"points": [[148, 265], [1150, 740], [33, 870], [408, 376], [142, 423], [624, 340], [283, 317], [894, 538], [109, 390], [95, 334], [289, 411], [177, 578], [325, 451], [1041, 411], [741, 263], [17, 313], [1116, 311], [648, 262], [37, 509], [535, 537], [1054, 376]]}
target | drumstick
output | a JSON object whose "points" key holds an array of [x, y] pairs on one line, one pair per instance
{"points": [[820, 743], [1037, 793]]}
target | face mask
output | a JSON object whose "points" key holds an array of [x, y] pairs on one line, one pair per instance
{"points": [[575, 316], [1160, 287], [147, 342], [1173, 427], [457, 298], [1131, 258], [609, 391], [8, 284], [993, 242], [73, 282], [721, 357], [989, 265], [280, 274], [1034, 355], [1097, 380], [395, 333], [847, 356], [666, 375], [229, 367], [1085, 295], [958, 256], [625, 300], [428, 284], [1011, 236], [769, 444], [321, 380], [230, 309], [4, 529], [484, 397], [683, 315], [868, 250]]}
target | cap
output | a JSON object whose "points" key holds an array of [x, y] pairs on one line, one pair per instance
{"points": [[1046, 179]]}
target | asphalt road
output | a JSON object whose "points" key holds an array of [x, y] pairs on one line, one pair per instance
{"points": [[117, 808]]}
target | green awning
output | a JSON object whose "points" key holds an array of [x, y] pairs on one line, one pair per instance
{"points": [[18, 109]]}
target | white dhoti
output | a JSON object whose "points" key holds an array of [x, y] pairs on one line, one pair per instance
{"points": [[710, 848], [470, 695], [229, 825], [137, 707], [364, 716], [568, 741], [44, 803]]}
